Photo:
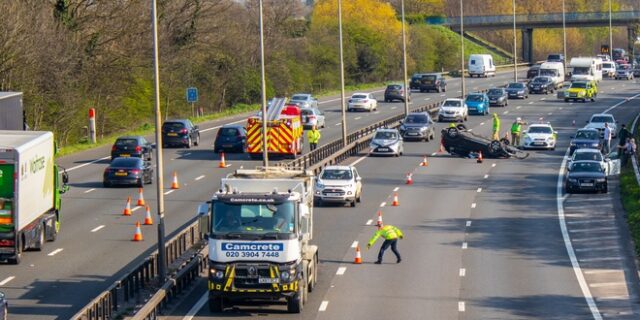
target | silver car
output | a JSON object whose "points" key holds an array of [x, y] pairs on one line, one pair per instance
{"points": [[387, 142], [304, 100], [312, 117]]}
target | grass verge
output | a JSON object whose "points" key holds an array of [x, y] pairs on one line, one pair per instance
{"points": [[630, 194]]}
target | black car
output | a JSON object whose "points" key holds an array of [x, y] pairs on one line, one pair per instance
{"points": [[415, 81], [417, 126], [533, 72], [585, 138], [498, 97], [585, 175], [458, 141], [230, 138], [555, 57], [517, 90], [541, 84], [180, 132], [395, 92], [128, 171], [4, 307], [132, 146], [433, 82]]}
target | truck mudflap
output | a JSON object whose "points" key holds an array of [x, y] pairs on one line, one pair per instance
{"points": [[252, 281]]}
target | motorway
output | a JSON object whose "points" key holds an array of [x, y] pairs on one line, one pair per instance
{"points": [[498, 223]]}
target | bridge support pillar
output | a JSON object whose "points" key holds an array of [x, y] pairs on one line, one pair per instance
{"points": [[632, 35], [527, 45]]}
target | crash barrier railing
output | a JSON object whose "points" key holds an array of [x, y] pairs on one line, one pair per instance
{"points": [[133, 286]]}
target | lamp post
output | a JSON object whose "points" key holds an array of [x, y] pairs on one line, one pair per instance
{"points": [[515, 48], [342, 99], [464, 89], [564, 38], [265, 151], [610, 34], [162, 261], [407, 90]]}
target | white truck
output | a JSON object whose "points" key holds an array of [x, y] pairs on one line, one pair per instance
{"points": [[586, 69], [259, 225], [11, 111], [554, 70], [30, 189]]}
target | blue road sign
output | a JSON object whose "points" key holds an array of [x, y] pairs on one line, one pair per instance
{"points": [[192, 94]]}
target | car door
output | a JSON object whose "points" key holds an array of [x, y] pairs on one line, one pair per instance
{"points": [[358, 181], [373, 101]]}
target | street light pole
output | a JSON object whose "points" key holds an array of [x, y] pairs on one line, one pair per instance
{"points": [[407, 90], [515, 48], [162, 261], [464, 89], [610, 34], [564, 38], [342, 98], [265, 146]]}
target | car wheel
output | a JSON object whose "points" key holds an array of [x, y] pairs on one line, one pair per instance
{"points": [[452, 133], [495, 147], [353, 203], [566, 100], [106, 184], [189, 143], [466, 117], [216, 305], [444, 89], [606, 189], [197, 143], [359, 198], [461, 127], [40, 242], [150, 180], [140, 183]]}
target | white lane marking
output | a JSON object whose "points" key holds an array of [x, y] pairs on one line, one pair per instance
{"points": [[469, 130], [601, 259], [594, 229], [434, 154], [169, 192], [479, 190], [54, 252], [346, 98], [620, 103], [461, 307], [506, 112], [482, 123], [358, 161], [550, 113], [383, 204], [596, 238], [396, 189], [542, 99], [597, 221], [443, 95], [426, 99], [607, 284], [468, 223], [393, 108], [218, 127], [5, 281], [90, 190], [486, 176], [597, 249], [530, 102], [560, 108], [323, 306], [97, 228], [196, 307], [172, 159], [134, 209], [465, 245], [338, 124], [463, 272], [493, 165], [369, 222], [473, 205], [186, 154], [569, 246], [200, 177], [518, 107], [597, 271], [357, 118], [376, 112], [354, 244], [341, 271], [88, 163], [459, 90]]}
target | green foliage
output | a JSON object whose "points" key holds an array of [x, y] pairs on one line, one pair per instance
{"points": [[630, 193]]}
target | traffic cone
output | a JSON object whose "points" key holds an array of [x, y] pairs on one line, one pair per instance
{"points": [[127, 208], [358, 259], [480, 159], [138, 235], [424, 162], [379, 222], [147, 218], [441, 150], [140, 198], [409, 178], [223, 163], [395, 200], [175, 184]]}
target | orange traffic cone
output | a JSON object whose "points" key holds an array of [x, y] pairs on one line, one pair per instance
{"points": [[395, 200], [147, 218], [127, 208], [480, 159], [441, 150], [409, 178], [358, 259], [424, 162], [223, 163], [379, 222], [138, 235], [175, 184], [140, 198]]}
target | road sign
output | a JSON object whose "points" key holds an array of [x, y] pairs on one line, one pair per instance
{"points": [[192, 94], [604, 49]]}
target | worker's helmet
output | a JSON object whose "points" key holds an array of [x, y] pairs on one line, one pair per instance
{"points": [[518, 119]]}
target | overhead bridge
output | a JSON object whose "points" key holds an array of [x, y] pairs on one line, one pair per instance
{"points": [[528, 22]]}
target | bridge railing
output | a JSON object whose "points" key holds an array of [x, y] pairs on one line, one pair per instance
{"points": [[571, 17]]}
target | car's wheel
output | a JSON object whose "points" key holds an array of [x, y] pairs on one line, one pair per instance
{"points": [[295, 303], [495, 147], [359, 198], [461, 127], [150, 156], [197, 143], [189, 143], [466, 117], [606, 189], [566, 100], [150, 180], [216, 305], [353, 204], [140, 183], [106, 184], [452, 133]]}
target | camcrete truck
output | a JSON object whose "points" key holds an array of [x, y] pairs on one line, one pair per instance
{"points": [[259, 226], [30, 189], [285, 133], [11, 111]]}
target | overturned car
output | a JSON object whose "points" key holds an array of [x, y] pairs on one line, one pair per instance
{"points": [[459, 141]]}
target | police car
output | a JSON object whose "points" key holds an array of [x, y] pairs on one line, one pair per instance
{"points": [[539, 136]]}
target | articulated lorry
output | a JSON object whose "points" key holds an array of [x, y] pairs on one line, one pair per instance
{"points": [[30, 189], [11, 111], [259, 226]]}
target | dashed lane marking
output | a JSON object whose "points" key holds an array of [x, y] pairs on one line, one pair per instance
{"points": [[594, 229], [341, 271], [461, 307], [369, 222], [323, 306], [479, 190], [486, 176], [134, 209], [383, 204], [607, 284], [5, 281], [600, 259], [597, 249], [465, 245], [473, 205], [169, 192], [482, 123], [54, 252], [97, 228], [506, 112], [396, 189], [90, 190], [468, 223], [357, 118], [550, 113], [598, 271], [338, 124], [530, 102], [463, 272], [518, 107], [434, 154], [595, 239], [354, 244], [200, 177], [393, 108], [493, 165], [88, 163], [426, 99]]}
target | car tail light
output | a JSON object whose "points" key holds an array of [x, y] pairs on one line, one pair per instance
{"points": [[113, 148], [135, 171], [138, 149], [107, 170], [7, 243], [184, 131], [401, 91], [311, 117]]}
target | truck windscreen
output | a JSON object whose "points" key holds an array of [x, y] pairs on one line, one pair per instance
{"points": [[253, 218], [581, 70]]}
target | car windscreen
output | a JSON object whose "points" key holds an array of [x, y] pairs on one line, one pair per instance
{"points": [[126, 142], [416, 118], [601, 119], [126, 162], [394, 87], [578, 85], [541, 80], [581, 70], [451, 103], [228, 132], [429, 78], [416, 77], [594, 156], [306, 112], [173, 126], [474, 97], [299, 98], [495, 92], [336, 174], [607, 65], [624, 67], [253, 218], [385, 135], [586, 167], [539, 130], [515, 86], [358, 96], [548, 72], [553, 57], [588, 135]]}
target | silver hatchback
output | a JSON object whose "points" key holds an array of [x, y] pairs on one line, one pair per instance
{"points": [[387, 142]]}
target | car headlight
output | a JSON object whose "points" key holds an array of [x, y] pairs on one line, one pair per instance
{"points": [[320, 185], [601, 180], [550, 139], [595, 145], [216, 273], [521, 92], [285, 276], [581, 93], [573, 180], [423, 129], [566, 93], [572, 144], [527, 139]]}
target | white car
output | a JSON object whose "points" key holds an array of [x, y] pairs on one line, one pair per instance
{"points": [[362, 101], [453, 110], [598, 120], [609, 165], [608, 69], [338, 184], [539, 136], [387, 142]]}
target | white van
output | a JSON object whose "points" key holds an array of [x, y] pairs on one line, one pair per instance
{"points": [[586, 68], [554, 70], [481, 65], [608, 69]]}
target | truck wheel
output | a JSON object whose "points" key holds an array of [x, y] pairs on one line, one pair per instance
{"points": [[40, 241], [295, 303], [216, 305]]}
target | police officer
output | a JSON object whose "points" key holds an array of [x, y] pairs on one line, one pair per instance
{"points": [[390, 235], [516, 129], [496, 127], [314, 137]]}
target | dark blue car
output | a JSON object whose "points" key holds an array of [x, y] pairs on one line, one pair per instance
{"points": [[180, 132], [230, 138], [585, 138], [477, 103], [128, 171]]}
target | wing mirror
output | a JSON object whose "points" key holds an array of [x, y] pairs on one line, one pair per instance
{"points": [[358, 178]]}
